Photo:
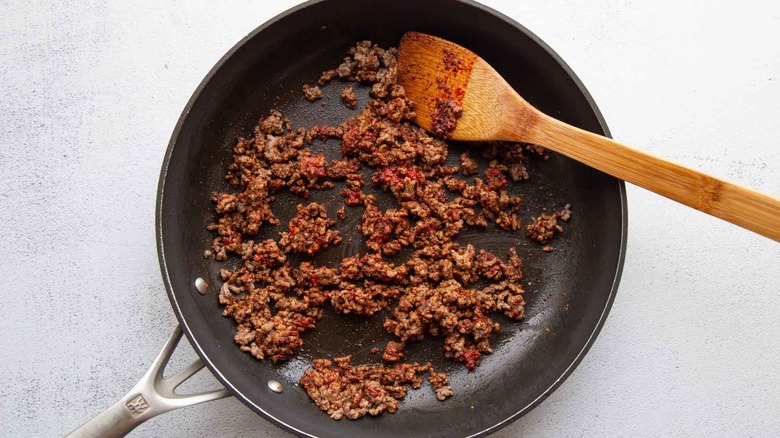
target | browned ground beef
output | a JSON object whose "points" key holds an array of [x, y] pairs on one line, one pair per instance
{"points": [[309, 231], [350, 391], [312, 93], [467, 164], [349, 97], [545, 226], [443, 289], [369, 63]]}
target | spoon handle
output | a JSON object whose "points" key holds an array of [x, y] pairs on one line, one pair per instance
{"points": [[741, 206]]}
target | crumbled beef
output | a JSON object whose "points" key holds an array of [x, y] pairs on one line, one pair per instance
{"points": [[352, 193], [517, 171], [312, 93], [324, 132], [452, 311], [545, 226], [343, 390], [273, 124], [467, 164], [312, 167], [349, 97], [566, 213], [368, 300], [265, 253], [309, 231], [394, 352], [261, 332], [367, 62], [386, 232], [488, 193], [537, 150], [440, 384], [341, 169]]}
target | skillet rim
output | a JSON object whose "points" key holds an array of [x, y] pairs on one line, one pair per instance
{"points": [[166, 274]]}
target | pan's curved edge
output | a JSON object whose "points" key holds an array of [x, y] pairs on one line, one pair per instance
{"points": [[624, 224], [158, 221], [164, 267]]}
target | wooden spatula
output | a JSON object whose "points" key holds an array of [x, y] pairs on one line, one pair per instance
{"points": [[459, 96]]}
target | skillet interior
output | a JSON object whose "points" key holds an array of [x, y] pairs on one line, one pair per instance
{"points": [[570, 290]]}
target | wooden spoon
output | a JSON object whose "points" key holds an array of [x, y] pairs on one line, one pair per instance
{"points": [[459, 96]]}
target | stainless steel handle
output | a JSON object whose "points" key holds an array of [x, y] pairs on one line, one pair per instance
{"points": [[151, 396]]}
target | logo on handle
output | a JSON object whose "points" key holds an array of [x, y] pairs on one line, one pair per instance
{"points": [[137, 405]]}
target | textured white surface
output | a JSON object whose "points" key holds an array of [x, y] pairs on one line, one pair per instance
{"points": [[89, 94]]}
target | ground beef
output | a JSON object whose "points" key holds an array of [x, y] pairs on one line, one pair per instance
{"points": [[566, 213], [440, 384], [467, 164], [349, 97], [537, 150], [517, 171], [324, 132], [369, 299], [260, 331], [341, 169], [436, 288], [367, 62], [344, 390], [312, 93], [394, 351], [309, 231], [545, 226]]}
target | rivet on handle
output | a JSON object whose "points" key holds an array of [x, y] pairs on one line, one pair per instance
{"points": [[201, 286], [275, 386]]}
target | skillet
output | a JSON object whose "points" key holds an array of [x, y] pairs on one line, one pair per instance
{"points": [[568, 292]]}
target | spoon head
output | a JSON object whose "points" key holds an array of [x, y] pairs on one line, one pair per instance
{"points": [[435, 73], [457, 94]]}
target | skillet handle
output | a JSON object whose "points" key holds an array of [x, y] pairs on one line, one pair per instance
{"points": [[151, 396]]}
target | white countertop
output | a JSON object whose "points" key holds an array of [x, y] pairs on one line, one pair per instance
{"points": [[89, 95]]}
